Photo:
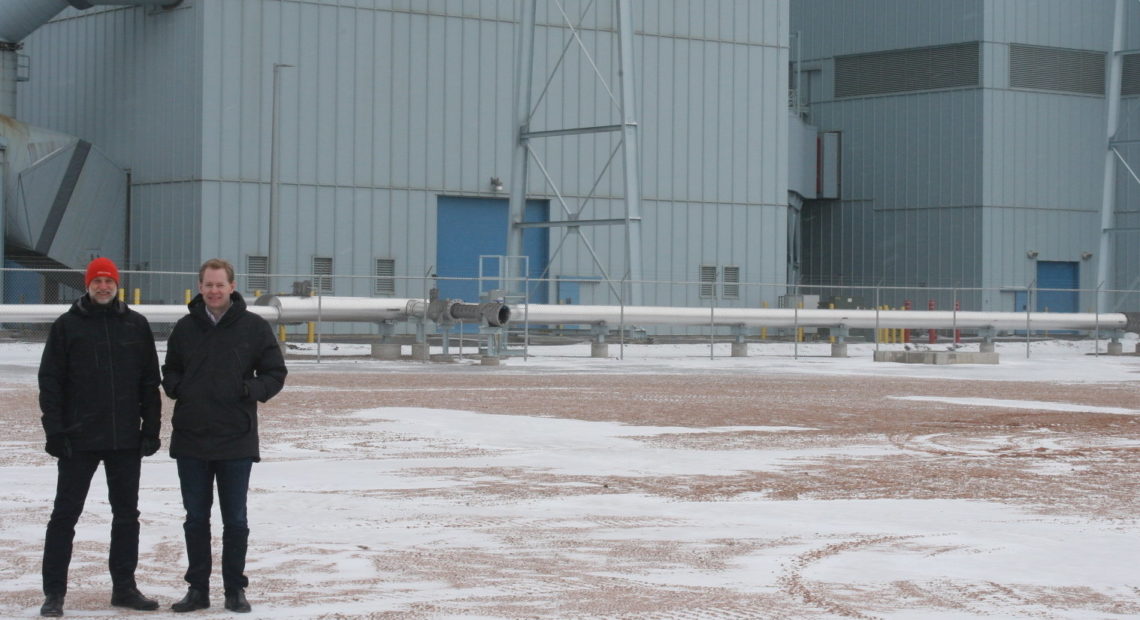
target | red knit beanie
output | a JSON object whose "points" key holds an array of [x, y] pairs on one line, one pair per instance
{"points": [[101, 266]]}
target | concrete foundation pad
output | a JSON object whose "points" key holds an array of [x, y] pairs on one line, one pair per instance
{"points": [[839, 349], [740, 349], [986, 347], [441, 357], [386, 351], [488, 360], [936, 357], [421, 352], [1115, 348], [599, 349]]}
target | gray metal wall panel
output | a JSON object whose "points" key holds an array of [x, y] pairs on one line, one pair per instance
{"points": [[391, 103], [1076, 24], [851, 243], [128, 80], [840, 27], [1034, 140], [909, 151], [1056, 235]]}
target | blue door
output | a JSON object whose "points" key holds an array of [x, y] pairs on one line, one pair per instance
{"points": [[467, 228], [1064, 279]]}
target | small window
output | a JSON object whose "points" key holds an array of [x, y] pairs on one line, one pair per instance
{"points": [[730, 289], [385, 272], [322, 275], [257, 273], [708, 281]]}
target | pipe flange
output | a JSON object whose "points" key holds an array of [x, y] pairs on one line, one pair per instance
{"points": [[1133, 322]]}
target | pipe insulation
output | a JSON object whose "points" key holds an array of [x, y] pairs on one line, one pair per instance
{"points": [[298, 309], [370, 309], [783, 317]]}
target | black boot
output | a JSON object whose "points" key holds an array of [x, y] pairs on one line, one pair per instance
{"points": [[194, 599], [53, 606], [131, 598], [235, 601]]}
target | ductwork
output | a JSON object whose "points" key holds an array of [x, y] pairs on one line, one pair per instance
{"points": [[20, 18], [52, 183]]}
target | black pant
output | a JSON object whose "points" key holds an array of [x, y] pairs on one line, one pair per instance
{"points": [[123, 468], [197, 479]]}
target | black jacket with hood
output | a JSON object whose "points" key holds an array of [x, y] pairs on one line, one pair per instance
{"points": [[99, 377], [216, 374]]}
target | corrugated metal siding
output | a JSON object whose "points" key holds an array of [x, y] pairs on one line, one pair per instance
{"points": [[953, 185], [1075, 24], [127, 79], [910, 151], [390, 104], [1043, 151], [382, 109], [1007, 234], [852, 243], [841, 27]]}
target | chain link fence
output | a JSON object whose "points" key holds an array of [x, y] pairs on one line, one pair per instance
{"points": [[21, 286]]}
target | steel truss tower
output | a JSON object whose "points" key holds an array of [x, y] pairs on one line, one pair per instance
{"points": [[626, 127], [1108, 228]]}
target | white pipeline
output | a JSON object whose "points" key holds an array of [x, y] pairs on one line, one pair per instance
{"points": [[375, 309]]}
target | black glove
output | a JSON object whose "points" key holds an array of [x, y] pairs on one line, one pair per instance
{"points": [[149, 445], [59, 446]]}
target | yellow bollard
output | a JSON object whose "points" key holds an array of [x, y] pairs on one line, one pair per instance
{"points": [[831, 339], [122, 294], [281, 333], [188, 296], [138, 296], [764, 330], [256, 294], [312, 332], [800, 330]]}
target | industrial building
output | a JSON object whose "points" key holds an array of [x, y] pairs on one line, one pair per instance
{"points": [[395, 137], [973, 148], [372, 147]]}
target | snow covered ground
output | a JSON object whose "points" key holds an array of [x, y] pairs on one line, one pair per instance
{"points": [[372, 501]]}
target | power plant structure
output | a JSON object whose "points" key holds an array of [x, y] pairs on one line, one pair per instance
{"points": [[714, 155]]}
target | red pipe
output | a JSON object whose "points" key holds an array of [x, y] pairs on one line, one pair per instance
{"points": [[933, 333]]}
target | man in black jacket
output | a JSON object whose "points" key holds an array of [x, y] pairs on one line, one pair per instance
{"points": [[220, 360], [100, 402]]}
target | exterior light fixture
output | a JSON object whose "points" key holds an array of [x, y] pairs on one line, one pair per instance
{"points": [[496, 184], [1086, 255], [1031, 254]]}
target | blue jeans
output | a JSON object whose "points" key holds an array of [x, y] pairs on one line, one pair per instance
{"points": [[122, 468], [197, 480]]}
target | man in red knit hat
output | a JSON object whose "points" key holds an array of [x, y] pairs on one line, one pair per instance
{"points": [[100, 402]]}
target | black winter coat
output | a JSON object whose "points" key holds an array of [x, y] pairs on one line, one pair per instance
{"points": [[216, 374], [99, 377]]}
